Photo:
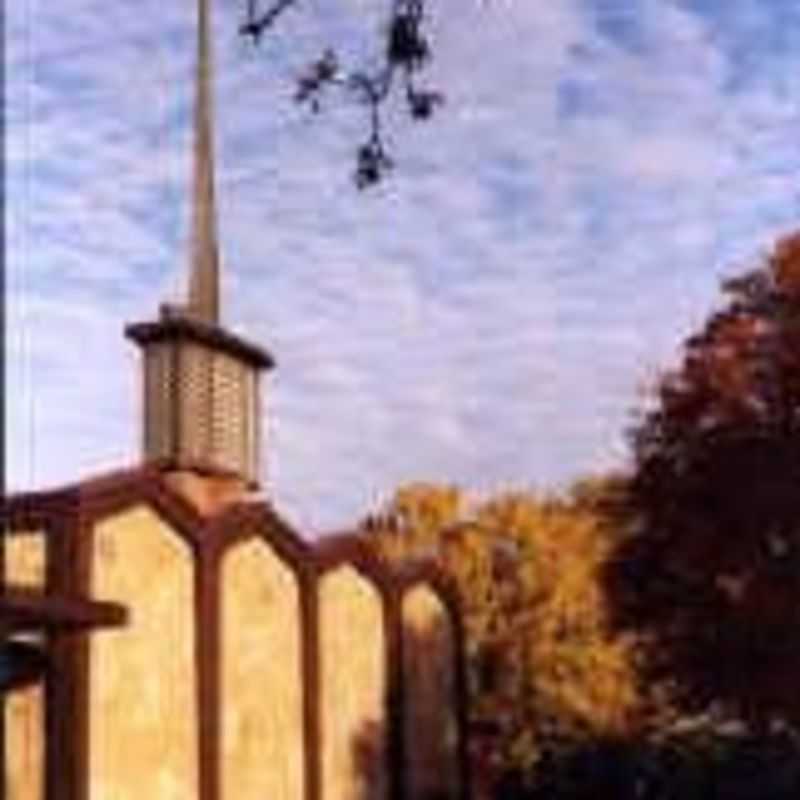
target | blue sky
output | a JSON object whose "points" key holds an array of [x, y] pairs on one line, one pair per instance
{"points": [[492, 316]]}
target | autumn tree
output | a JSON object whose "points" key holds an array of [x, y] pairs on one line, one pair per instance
{"points": [[545, 669], [404, 53], [713, 572]]}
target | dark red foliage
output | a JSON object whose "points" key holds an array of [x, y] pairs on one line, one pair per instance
{"points": [[712, 568]]}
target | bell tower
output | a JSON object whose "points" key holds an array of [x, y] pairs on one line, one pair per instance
{"points": [[201, 382]]}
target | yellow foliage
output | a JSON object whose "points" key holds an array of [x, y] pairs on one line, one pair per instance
{"points": [[544, 662]]}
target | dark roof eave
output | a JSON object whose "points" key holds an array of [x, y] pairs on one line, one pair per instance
{"points": [[183, 327]]}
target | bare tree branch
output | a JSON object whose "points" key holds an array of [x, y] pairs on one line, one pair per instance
{"points": [[256, 24], [406, 52]]}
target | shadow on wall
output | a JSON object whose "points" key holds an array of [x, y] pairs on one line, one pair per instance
{"points": [[369, 759], [425, 734]]}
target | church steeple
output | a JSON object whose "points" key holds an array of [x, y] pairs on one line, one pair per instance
{"points": [[204, 264], [202, 409]]}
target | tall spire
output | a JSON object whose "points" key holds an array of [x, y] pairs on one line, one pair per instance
{"points": [[204, 267], [202, 396]]}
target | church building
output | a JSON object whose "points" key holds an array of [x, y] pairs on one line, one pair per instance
{"points": [[168, 636]]}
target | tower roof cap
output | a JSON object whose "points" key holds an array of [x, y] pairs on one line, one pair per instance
{"points": [[174, 325]]}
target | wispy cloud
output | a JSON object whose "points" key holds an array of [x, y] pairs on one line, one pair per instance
{"points": [[488, 317]]}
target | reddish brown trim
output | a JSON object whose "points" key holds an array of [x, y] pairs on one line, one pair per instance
{"points": [[395, 695], [98, 497], [239, 523], [33, 511], [83, 537], [103, 498], [66, 685], [208, 664], [23, 608], [350, 549], [177, 328], [69, 516], [73, 513], [392, 583], [246, 520], [415, 573], [147, 487], [312, 716]]}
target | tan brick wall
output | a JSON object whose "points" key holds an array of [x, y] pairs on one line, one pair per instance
{"points": [[142, 695], [429, 677], [262, 713], [24, 744], [353, 684], [25, 558]]}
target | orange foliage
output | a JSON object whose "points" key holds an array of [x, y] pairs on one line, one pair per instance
{"points": [[544, 664]]}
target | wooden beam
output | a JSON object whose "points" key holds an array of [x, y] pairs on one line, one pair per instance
{"points": [[24, 609]]}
